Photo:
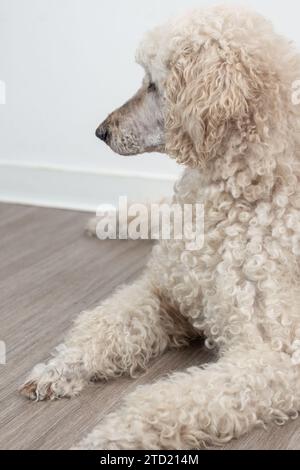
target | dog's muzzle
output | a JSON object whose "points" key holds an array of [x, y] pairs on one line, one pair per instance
{"points": [[103, 132]]}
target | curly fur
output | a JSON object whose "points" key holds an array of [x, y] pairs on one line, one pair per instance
{"points": [[226, 77]]}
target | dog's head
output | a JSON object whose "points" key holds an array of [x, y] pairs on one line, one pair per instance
{"points": [[207, 76], [139, 125]]}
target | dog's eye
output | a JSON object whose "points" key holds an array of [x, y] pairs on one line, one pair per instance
{"points": [[152, 87]]}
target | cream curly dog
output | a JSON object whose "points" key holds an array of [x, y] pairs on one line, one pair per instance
{"points": [[217, 96]]}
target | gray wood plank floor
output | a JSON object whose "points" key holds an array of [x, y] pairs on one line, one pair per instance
{"points": [[49, 272]]}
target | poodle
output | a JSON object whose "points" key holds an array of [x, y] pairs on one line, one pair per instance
{"points": [[218, 97]]}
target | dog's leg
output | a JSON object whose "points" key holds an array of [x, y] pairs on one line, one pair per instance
{"points": [[204, 406], [120, 336]]}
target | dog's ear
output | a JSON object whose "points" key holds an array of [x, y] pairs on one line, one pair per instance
{"points": [[210, 92]]}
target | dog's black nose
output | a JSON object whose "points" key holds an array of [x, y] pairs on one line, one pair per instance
{"points": [[102, 133]]}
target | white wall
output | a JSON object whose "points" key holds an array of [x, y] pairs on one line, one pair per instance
{"points": [[67, 64]]}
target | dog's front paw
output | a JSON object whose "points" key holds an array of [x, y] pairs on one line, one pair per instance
{"points": [[48, 382]]}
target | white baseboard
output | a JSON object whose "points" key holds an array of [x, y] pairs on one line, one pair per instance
{"points": [[77, 189]]}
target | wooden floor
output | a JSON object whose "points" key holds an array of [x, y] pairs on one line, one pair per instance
{"points": [[49, 272]]}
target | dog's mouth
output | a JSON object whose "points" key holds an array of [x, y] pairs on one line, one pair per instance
{"points": [[119, 145], [126, 153]]}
